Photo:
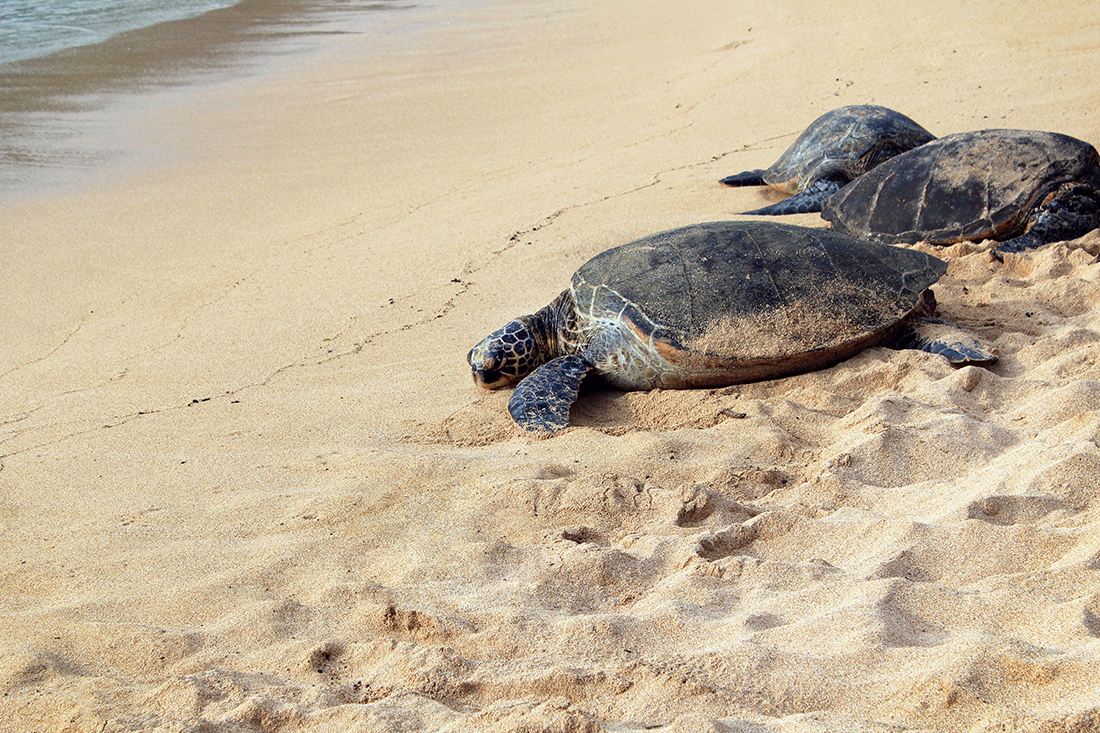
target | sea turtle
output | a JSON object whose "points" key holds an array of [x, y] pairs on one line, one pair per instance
{"points": [[836, 148], [711, 305], [1021, 187]]}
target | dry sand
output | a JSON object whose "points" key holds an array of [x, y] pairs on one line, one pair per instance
{"points": [[247, 484]]}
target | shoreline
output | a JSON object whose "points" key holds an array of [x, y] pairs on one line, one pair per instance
{"points": [[74, 115]]}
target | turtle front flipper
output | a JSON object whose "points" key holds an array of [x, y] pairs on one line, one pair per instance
{"points": [[937, 336], [542, 400], [746, 178], [1068, 213], [807, 202]]}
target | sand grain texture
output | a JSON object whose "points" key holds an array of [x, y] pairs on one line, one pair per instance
{"points": [[246, 483]]}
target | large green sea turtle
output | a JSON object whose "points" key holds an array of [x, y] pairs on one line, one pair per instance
{"points": [[836, 148], [1021, 187], [711, 305]]}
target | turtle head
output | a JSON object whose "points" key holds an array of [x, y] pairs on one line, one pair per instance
{"points": [[507, 355]]}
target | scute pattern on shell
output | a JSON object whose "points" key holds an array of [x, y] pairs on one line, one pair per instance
{"points": [[969, 186], [838, 141], [707, 289]]}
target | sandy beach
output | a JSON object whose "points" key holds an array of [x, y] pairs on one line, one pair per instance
{"points": [[247, 483]]}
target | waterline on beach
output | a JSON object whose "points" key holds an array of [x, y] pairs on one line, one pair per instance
{"points": [[34, 28], [70, 115]]}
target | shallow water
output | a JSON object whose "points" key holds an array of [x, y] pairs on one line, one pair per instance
{"points": [[68, 116], [33, 28]]}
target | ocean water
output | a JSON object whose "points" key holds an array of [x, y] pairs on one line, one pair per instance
{"points": [[32, 28], [76, 76]]}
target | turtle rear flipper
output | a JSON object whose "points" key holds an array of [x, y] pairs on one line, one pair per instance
{"points": [[746, 178], [1070, 212], [542, 400], [809, 201], [937, 336]]}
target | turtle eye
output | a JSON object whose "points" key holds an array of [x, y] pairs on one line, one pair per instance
{"points": [[487, 359]]}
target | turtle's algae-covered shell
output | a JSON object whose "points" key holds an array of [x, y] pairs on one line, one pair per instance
{"points": [[758, 298], [964, 187], [842, 139]]}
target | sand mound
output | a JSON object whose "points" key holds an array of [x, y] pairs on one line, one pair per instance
{"points": [[246, 483], [886, 535]]}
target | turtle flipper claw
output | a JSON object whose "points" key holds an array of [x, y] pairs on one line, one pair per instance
{"points": [[747, 178], [542, 400]]}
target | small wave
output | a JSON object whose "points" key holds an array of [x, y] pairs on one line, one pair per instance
{"points": [[33, 28]]}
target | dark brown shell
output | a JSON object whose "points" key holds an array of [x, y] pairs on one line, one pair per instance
{"points": [[755, 293], [969, 186], [847, 140]]}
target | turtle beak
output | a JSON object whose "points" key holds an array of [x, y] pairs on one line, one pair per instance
{"points": [[489, 378]]}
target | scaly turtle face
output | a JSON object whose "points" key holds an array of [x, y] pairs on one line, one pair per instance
{"points": [[506, 356]]}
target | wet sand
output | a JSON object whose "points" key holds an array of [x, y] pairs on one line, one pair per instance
{"points": [[68, 117], [246, 482]]}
